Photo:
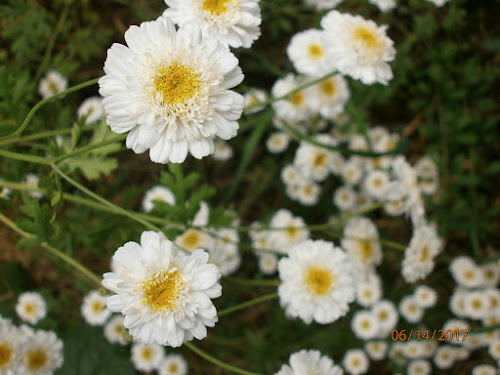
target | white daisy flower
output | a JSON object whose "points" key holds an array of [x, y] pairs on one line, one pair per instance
{"points": [[323, 4], [358, 47], [445, 357], [222, 152], [457, 305], [384, 5], [164, 295], [360, 240], [201, 217], [194, 239], [352, 172], [234, 22], [476, 304], [307, 53], [414, 349], [277, 142], [387, 317], [466, 273], [310, 362], [317, 282], [418, 261], [157, 193], [290, 175], [456, 325], [294, 107], [494, 349], [115, 332], [224, 251], [419, 367], [308, 193], [425, 296], [345, 198], [491, 274], [283, 239], [253, 97], [369, 290], [11, 342], [42, 353], [94, 309], [32, 180], [426, 168], [394, 208], [146, 357], [376, 183], [170, 90], [31, 307], [410, 310], [329, 97], [313, 162], [438, 3], [356, 362], [268, 263], [377, 350], [173, 364], [53, 83], [364, 325], [92, 109], [484, 370]]}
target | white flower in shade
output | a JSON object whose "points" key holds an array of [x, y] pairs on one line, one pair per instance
{"points": [[234, 22], [290, 175], [476, 304], [308, 193], [410, 310], [419, 367], [194, 239], [32, 180], [369, 290], [387, 317], [466, 273], [429, 348], [253, 97], [317, 282], [418, 261], [329, 97], [10, 347], [491, 274], [484, 370], [345, 198], [426, 168], [312, 161], [384, 5], [457, 305], [352, 172], [53, 83], [4, 193], [310, 362], [438, 3], [429, 187], [358, 47], [307, 53], [173, 364], [377, 350], [394, 208], [294, 107], [268, 263], [283, 239], [277, 142], [147, 357], [376, 183], [92, 109], [493, 295], [445, 357], [157, 193], [456, 325], [170, 90], [222, 151], [360, 240], [201, 217], [115, 332], [494, 349], [94, 309], [42, 353], [323, 4], [31, 307], [364, 325], [425, 296], [414, 349], [164, 295], [224, 250], [356, 362]]}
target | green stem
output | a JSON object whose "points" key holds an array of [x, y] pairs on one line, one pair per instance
{"points": [[90, 147], [252, 282], [485, 329], [218, 362], [246, 304], [58, 253], [45, 101], [36, 136], [25, 157]]}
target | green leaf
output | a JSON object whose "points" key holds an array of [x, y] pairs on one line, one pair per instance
{"points": [[92, 167], [29, 243]]}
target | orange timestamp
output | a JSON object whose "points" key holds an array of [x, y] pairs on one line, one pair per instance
{"points": [[430, 335]]}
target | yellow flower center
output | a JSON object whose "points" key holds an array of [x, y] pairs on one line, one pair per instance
{"points": [[476, 304], [35, 359], [469, 275], [319, 280], [191, 240], [315, 51], [377, 182], [319, 159], [365, 324], [367, 37], [29, 308], [297, 98], [425, 254], [215, 6], [97, 307], [292, 232], [328, 88], [53, 87], [356, 362], [173, 368], [6, 353], [366, 252], [162, 291], [383, 315], [147, 354], [177, 83]]}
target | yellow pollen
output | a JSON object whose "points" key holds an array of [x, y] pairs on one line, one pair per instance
{"points": [[328, 88], [366, 251], [53, 87], [297, 98], [292, 232], [5, 354], [177, 83], [367, 37], [29, 308], [367, 293], [97, 307], [162, 291], [35, 359], [315, 51], [319, 159], [377, 163], [159, 199], [215, 6], [412, 308], [191, 239], [365, 324], [383, 315], [377, 182], [173, 368], [356, 362], [476, 304], [147, 353], [319, 280], [469, 275], [425, 254]]}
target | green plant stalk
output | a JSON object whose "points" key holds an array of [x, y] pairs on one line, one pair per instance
{"points": [[36, 136], [252, 282], [218, 362], [485, 329], [90, 147], [58, 253], [246, 304], [41, 103]]}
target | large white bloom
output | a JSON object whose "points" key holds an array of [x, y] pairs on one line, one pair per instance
{"points": [[234, 22], [170, 90], [317, 282], [310, 362], [358, 47], [164, 295]]}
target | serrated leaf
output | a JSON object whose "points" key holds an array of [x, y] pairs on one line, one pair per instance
{"points": [[92, 167]]}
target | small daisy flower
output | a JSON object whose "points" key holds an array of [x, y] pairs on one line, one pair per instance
{"points": [[317, 282], [94, 309], [253, 97], [92, 109], [484, 370], [193, 239], [157, 193], [476, 304], [282, 240], [222, 152], [294, 107], [115, 332], [277, 142], [387, 317], [352, 172], [307, 53], [377, 350], [361, 242], [323, 4], [426, 168], [10, 347], [364, 325], [268, 263], [466, 273], [31, 307], [438, 3], [356, 362], [312, 161], [290, 175], [32, 180], [164, 295], [425, 296], [345, 198], [410, 310], [359, 47], [308, 193], [234, 22], [414, 349], [491, 274], [329, 97], [457, 325], [494, 349], [445, 357], [376, 183], [369, 290], [171, 91], [394, 208], [42, 353], [53, 83], [310, 362], [147, 357], [224, 251], [457, 304], [384, 5], [419, 367], [173, 364]]}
